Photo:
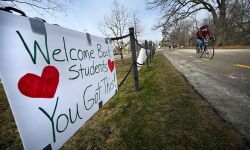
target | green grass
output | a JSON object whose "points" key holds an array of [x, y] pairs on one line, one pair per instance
{"points": [[165, 114], [9, 137]]}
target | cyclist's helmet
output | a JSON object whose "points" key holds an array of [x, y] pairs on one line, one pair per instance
{"points": [[204, 27]]}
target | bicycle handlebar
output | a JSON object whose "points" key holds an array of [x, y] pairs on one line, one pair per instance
{"points": [[209, 40]]}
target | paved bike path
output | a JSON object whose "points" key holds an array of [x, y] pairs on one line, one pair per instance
{"points": [[229, 102]]}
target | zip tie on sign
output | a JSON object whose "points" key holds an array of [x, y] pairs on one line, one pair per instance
{"points": [[37, 26], [88, 38]]}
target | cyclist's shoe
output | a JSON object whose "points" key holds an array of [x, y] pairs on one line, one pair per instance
{"points": [[198, 50]]}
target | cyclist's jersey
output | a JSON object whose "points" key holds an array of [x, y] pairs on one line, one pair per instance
{"points": [[202, 34]]}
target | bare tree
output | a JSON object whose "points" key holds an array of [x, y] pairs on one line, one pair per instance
{"points": [[39, 6], [137, 24], [194, 29], [184, 8], [238, 23], [115, 25]]}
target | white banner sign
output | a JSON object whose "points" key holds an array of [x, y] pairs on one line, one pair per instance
{"points": [[55, 79]]}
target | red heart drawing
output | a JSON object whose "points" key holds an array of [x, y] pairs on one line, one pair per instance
{"points": [[111, 65], [45, 86]]}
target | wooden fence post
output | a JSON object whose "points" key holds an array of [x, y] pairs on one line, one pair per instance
{"points": [[146, 48], [153, 48], [134, 61], [150, 52]]}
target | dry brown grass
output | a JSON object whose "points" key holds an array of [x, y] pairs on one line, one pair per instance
{"points": [[165, 114]]}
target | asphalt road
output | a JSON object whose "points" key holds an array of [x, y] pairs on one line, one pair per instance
{"points": [[223, 81]]}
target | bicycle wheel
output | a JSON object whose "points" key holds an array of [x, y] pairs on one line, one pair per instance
{"points": [[199, 52], [209, 53]]}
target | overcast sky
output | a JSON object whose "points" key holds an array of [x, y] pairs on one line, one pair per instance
{"points": [[87, 15]]}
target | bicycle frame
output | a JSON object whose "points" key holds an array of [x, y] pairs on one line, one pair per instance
{"points": [[206, 47]]}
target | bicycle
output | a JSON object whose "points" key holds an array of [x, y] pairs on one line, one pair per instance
{"points": [[206, 49]]}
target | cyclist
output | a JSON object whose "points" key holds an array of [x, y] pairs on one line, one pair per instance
{"points": [[202, 34]]}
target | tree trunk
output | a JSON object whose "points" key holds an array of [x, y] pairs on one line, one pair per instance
{"points": [[220, 24], [220, 35], [121, 55]]}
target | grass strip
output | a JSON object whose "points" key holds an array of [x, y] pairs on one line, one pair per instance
{"points": [[165, 114]]}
